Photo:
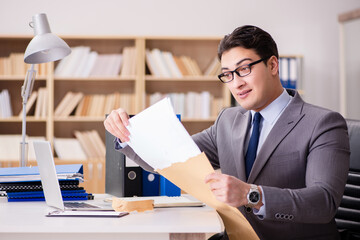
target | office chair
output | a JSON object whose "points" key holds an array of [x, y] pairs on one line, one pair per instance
{"points": [[348, 215], [217, 236]]}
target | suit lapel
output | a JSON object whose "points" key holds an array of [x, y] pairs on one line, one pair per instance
{"points": [[240, 126], [287, 121]]}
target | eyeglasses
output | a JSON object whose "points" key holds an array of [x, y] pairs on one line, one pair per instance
{"points": [[241, 71]]}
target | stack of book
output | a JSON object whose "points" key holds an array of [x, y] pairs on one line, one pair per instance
{"points": [[24, 183], [165, 64], [14, 65], [86, 145], [201, 105], [5, 104], [83, 63], [10, 146], [37, 104], [95, 105]]}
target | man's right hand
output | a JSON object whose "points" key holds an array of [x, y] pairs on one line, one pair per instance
{"points": [[116, 123]]}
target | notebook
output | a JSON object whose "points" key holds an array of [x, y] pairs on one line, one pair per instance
{"points": [[51, 185], [165, 201]]}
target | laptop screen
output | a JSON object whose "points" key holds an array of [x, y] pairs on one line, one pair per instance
{"points": [[48, 175]]}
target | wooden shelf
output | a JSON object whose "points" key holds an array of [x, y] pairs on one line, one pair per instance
{"points": [[19, 78], [19, 119], [186, 78], [79, 119], [119, 78]]}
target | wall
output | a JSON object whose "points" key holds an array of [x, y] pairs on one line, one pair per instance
{"points": [[352, 63], [305, 27]]}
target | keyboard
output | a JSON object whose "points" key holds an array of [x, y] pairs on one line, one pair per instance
{"points": [[78, 205]]}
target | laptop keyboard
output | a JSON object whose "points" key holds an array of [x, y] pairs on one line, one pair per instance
{"points": [[78, 205]]}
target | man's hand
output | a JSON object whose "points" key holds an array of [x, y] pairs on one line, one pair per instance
{"points": [[229, 189], [116, 123]]}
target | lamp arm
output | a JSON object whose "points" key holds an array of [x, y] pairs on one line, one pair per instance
{"points": [[26, 90]]}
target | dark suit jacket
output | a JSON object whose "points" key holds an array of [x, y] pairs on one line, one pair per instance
{"points": [[302, 167]]}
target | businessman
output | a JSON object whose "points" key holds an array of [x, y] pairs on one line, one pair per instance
{"points": [[283, 162]]}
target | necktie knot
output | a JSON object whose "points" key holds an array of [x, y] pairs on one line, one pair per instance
{"points": [[257, 118]]}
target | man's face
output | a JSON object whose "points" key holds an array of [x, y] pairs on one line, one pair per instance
{"points": [[256, 90]]}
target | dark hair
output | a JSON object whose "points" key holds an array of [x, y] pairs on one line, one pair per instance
{"points": [[249, 37]]}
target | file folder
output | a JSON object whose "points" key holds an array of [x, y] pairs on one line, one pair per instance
{"points": [[169, 189], [67, 195], [150, 184], [133, 179], [21, 174], [115, 168]]}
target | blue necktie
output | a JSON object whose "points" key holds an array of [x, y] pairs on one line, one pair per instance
{"points": [[253, 144]]}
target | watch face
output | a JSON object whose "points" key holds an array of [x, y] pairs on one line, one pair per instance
{"points": [[254, 197]]}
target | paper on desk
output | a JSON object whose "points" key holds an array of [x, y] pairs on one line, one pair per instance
{"points": [[158, 137]]}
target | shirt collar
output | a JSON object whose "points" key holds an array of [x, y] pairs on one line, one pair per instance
{"points": [[275, 108]]}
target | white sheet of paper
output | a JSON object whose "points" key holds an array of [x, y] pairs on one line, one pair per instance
{"points": [[159, 138]]}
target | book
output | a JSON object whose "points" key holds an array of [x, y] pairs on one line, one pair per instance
{"points": [[5, 104], [160, 64], [30, 103], [181, 66], [171, 65], [68, 104], [91, 143], [21, 174], [128, 67], [71, 104], [151, 64], [214, 68], [184, 200]]}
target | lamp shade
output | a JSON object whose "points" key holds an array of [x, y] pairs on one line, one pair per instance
{"points": [[45, 46]]}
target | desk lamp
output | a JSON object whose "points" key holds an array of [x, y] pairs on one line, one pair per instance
{"points": [[44, 47]]}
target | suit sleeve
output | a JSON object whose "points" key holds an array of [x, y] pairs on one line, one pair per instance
{"points": [[326, 174]]}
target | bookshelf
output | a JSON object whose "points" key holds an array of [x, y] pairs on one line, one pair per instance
{"points": [[138, 85]]}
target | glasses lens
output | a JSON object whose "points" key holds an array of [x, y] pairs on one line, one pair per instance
{"points": [[243, 70], [226, 76]]}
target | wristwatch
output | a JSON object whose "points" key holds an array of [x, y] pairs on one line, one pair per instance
{"points": [[253, 196]]}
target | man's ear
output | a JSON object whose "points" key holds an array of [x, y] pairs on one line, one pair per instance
{"points": [[273, 64]]}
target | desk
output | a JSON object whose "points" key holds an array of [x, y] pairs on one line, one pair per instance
{"points": [[26, 220]]}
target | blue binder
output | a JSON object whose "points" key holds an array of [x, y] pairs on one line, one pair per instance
{"points": [[32, 173], [169, 189], [68, 195], [150, 184]]}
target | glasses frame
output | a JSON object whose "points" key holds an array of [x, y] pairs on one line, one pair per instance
{"points": [[238, 73]]}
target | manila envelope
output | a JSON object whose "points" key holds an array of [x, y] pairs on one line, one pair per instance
{"points": [[190, 177]]}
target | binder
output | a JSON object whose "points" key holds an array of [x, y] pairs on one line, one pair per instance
{"points": [[292, 73], [133, 179], [115, 168], [68, 195], [169, 189], [37, 186], [150, 184], [284, 72], [21, 174]]}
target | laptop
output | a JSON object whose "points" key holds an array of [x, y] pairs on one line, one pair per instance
{"points": [[51, 186]]}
